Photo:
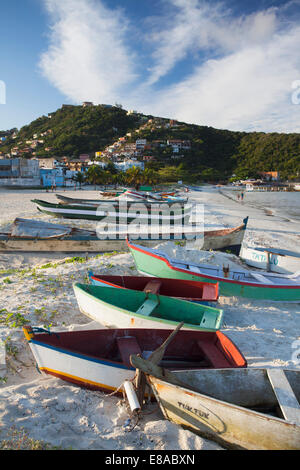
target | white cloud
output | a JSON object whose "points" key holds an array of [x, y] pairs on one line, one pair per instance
{"points": [[87, 58], [249, 89], [202, 26], [243, 67]]}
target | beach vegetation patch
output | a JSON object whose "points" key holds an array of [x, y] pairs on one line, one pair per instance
{"points": [[18, 439]]}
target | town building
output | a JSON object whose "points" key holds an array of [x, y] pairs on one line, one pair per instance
{"points": [[140, 144], [19, 172], [270, 175]]}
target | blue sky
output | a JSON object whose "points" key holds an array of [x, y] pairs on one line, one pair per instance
{"points": [[227, 64]]}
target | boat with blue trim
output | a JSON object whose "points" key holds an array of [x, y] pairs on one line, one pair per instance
{"points": [[100, 359]]}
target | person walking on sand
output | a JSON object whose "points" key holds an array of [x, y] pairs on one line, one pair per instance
{"points": [[242, 196]]}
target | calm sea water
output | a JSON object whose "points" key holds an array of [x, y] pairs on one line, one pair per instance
{"points": [[286, 204]]}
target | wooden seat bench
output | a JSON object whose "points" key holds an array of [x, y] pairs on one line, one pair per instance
{"points": [[286, 398], [212, 354], [147, 307], [128, 345], [153, 286]]}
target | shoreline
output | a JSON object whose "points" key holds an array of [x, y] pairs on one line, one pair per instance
{"points": [[65, 415]]}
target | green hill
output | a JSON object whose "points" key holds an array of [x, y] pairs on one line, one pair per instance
{"points": [[214, 155], [73, 130]]}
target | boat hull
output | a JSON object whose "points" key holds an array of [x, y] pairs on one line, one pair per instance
{"points": [[185, 290], [89, 358], [283, 262], [116, 215], [93, 304], [154, 265], [233, 426]]}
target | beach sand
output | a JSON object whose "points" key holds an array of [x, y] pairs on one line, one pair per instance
{"points": [[48, 409]]}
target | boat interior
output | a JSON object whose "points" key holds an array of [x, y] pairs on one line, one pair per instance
{"points": [[169, 287], [223, 272], [157, 306], [189, 349], [273, 391]]}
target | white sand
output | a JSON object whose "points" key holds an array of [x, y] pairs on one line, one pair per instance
{"points": [[64, 415]]}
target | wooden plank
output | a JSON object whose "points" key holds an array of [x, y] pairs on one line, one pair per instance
{"points": [[128, 345], [287, 400], [214, 356], [153, 286], [147, 307]]}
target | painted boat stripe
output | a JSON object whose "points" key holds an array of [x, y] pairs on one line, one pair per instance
{"points": [[81, 356], [230, 281], [101, 281], [74, 377]]}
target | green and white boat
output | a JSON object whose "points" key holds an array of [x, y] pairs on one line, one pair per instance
{"points": [[234, 282], [120, 213], [137, 309]]}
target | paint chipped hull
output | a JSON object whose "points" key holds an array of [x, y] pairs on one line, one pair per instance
{"points": [[231, 425]]}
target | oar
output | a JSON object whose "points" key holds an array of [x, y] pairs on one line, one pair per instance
{"points": [[155, 358]]}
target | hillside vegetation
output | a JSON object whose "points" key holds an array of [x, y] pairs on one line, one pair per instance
{"points": [[214, 155]]}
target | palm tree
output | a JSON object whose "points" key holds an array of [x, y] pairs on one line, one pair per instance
{"points": [[79, 178], [150, 176], [94, 175], [134, 177]]}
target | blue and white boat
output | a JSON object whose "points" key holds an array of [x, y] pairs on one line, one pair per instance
{"points": [[271, 259]]}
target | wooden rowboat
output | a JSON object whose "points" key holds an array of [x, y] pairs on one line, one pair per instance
{"points": [[255, 409], [232, 282], [100, 359], [37, 235], [136, 309], [271, 259], [105, 202], [112, 214], [185, 290]]}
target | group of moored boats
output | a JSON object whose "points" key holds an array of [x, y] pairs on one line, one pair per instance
{"points": [[163, 326]]}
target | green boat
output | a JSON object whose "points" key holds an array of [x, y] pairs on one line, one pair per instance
{"points": [[119, 214], [138, 309], [234, 282]]}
